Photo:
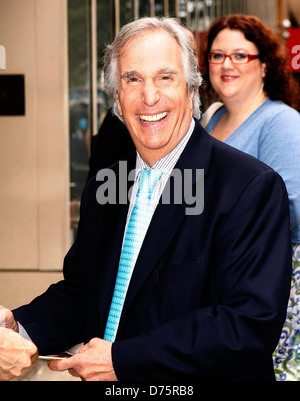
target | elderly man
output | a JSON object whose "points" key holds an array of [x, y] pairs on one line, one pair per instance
{"points": [[166, 287]]}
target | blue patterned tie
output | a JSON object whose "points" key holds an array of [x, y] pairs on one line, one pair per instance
{"points": [[136, 230]]}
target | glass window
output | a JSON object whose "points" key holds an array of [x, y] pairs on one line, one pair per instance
{"points": [[105, 35], [78, 102]]}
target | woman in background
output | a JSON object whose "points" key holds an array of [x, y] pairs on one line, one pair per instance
{"points": [[247, 69]]}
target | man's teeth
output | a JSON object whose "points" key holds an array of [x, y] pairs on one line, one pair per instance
{"points": [[153, 118]]}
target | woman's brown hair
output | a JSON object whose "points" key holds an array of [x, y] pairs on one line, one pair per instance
{"points": [[279, 83]]}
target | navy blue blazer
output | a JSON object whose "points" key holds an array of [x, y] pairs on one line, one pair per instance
{"points": [[208, 295]]}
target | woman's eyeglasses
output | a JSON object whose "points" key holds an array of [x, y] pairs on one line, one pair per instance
{"points": [[236, 58]]}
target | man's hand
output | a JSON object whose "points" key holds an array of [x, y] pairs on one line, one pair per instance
{"points": [[7, 320], [92, 363], [16, 353]]}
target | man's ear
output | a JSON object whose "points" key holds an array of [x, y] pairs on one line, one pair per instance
{"points": [[191, 97], [119, 106]]}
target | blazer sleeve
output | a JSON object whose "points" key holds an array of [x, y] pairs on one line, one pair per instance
{"points": [[250, 280], [53, 320]]}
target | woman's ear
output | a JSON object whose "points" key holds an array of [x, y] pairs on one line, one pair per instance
{"points": [[264, 69]]}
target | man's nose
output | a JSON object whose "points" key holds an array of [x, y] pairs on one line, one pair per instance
{"points": [[150, 93]]}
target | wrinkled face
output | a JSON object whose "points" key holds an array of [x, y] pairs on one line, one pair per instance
{"points": [[242, 81], [152, 94]]}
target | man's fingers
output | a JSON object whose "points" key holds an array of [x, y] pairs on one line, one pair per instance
{"points": [[7, 320], [34, 358], [61, 364], [73, 373], [30, 348], [5, 316]]}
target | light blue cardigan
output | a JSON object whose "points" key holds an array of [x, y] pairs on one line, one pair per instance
{"points": [[272, 134]]}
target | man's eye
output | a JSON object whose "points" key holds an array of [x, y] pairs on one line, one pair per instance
{"points": [[165, 79], [133, 79]]}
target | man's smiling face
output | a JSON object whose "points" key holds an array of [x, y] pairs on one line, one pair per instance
{"points": [[152, 94]]}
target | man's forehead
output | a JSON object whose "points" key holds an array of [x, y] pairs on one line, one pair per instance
{"points": [[146, 38], [137, 56]]}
